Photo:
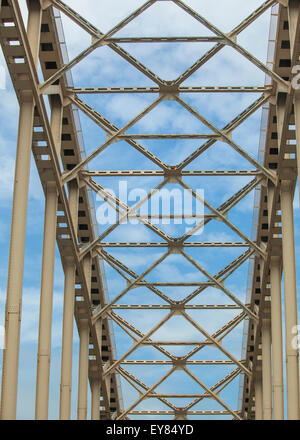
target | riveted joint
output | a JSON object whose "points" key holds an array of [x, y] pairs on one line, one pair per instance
{"points": [[177, 308], [173, 174], [179, 363], [175, 247], [169, 91], [180, 414]]}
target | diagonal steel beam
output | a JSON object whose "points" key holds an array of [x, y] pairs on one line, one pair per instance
{"points": [[74, 172], [96, 43], [100, 311], [251, 243], [230, 41], [96, 33], [227, 129], [145, 394], [224, 208], [130, 328], [225, 138], [137, 344], [217, 344], [115, 264], [130, 378], [218, 335], [129, 211], [219, 386], [212, 394], [223, 274], [111, 128], [220, 286], [236, 31]]}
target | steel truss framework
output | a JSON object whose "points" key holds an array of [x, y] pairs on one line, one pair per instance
{"points": [[83, 251]]}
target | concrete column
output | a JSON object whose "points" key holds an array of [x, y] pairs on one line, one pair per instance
{"points": [[266, 369], [95, 389], [290, 297], [258, 396], [18, 233], [68, 315], [277, 346], [48, 261], [83, 369]]}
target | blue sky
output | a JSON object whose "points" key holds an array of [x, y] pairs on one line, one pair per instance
{"points": [[104, 68]]}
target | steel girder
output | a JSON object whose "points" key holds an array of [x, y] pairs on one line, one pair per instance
{"points": [[86, 251]]}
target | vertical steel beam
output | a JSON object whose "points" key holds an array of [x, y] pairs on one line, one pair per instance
{"points": [[95, 389], [87, 267], [297, 124], [18, 233], [48, 260], [67, 341], [83, 369], [46, 300], [68, 314], [258, 396], [95, 377], [290, 297], [266, 369], [277, 346]]}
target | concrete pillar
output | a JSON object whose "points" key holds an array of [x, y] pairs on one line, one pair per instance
{"points": [[258, 396], [266, 369], [277, 346], [290, 297], [68, 315], [48, 261], [83, 369], [18, 234]]}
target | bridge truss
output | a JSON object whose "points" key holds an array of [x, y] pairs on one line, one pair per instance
{"points": [[49, 104]]}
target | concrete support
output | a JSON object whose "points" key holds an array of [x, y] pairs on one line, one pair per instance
{"points": [[258, 396], [277, 346], [68, 315], [95, 389], [83, 369], [266, 369], [290, 296], [44, 344], [18, 234]]}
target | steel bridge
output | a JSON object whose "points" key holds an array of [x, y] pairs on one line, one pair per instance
{"points": [[132, 370]]}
